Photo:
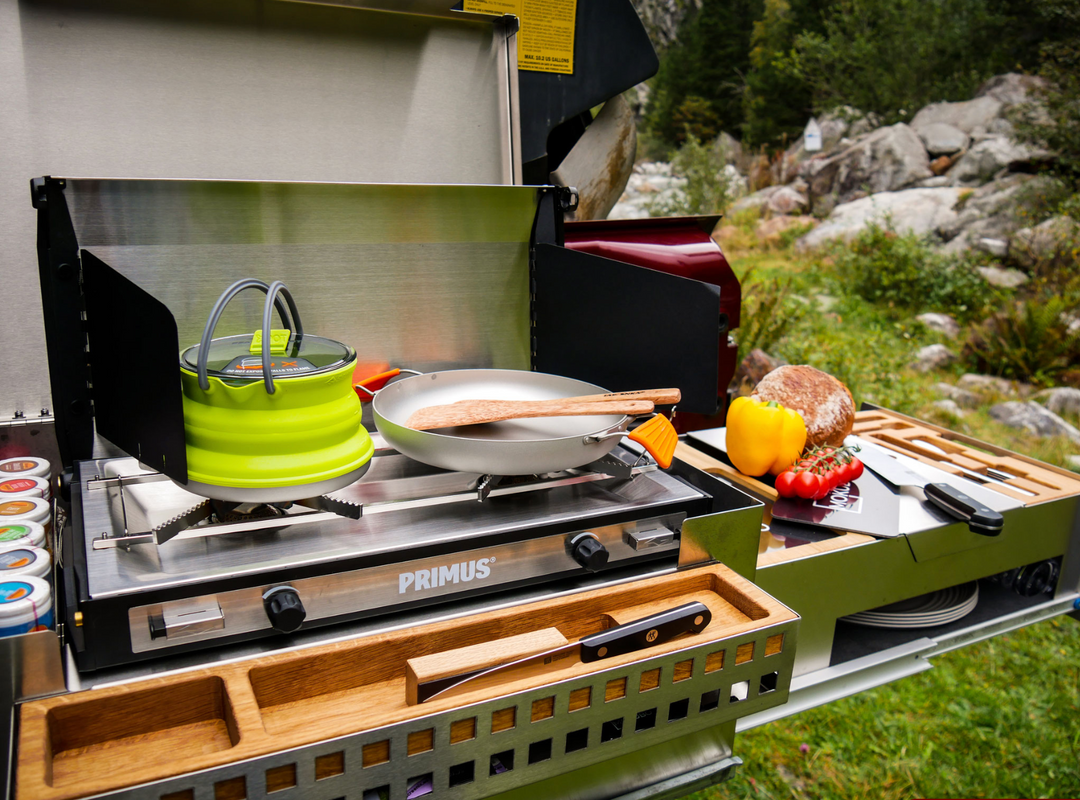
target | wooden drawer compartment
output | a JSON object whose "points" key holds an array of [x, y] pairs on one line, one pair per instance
{"points": [[88, 740], [334, 718]]}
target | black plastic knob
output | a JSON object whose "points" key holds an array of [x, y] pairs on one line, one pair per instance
{"points": [[284, 609], [589, 552]]}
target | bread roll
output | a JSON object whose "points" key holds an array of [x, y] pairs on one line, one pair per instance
{"points": [[824, 402]]}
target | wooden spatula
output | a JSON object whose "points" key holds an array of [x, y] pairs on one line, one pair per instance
{"points": [[475, 412], [436, 416]]}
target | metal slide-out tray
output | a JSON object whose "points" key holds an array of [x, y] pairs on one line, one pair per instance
{"points": [[828, 575]]}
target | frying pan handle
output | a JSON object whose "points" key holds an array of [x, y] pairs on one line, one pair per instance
{"points": [[382, 377], [657, 436], [272, 292], [215, 315]]}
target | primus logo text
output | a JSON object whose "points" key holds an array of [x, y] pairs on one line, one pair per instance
{"points": [[462, 572]]}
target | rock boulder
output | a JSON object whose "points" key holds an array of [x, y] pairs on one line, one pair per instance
{"points": [[881, 161], [990, 212], [1003, 277], [757, 200], [987, 385], [1045, 241], [1011, 89], [942, 139], [987, 158], [961, 397], [786, 200], [1061, 400], [1035, 419], [931, 357], [942, 323], [770, 230], [967, 115], [917, 211]]}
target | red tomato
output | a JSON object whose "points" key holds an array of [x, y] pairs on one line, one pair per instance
{"points": [[833, 477], [785, 484], [843, 473], [856, 468], [807, 485], [827, 484]]}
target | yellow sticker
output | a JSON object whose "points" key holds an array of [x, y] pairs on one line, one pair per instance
{"points": [[494, 7], [545, 42]]}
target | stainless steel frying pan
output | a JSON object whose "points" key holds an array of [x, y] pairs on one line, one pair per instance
{"points": [[510, 447]]}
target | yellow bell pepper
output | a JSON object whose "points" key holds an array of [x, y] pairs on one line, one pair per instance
{"points": [[763, 437]]}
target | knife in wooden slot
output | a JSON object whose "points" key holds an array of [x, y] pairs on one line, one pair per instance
{"points": [[627, 638], [980, 518], [991, 476]]}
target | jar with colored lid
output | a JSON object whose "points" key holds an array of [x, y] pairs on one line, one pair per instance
{"points": [[25, 486], [25, 605], [26, 509], [21, 560], [22, 534], [25, 467]]}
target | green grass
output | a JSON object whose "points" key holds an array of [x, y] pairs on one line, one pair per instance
{"points": [[1000, 718]]}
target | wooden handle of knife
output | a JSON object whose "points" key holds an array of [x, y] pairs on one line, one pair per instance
{"points": [[478, 411], [465, 660]]}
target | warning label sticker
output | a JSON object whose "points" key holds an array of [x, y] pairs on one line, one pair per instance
{"points": [[546, 38]]}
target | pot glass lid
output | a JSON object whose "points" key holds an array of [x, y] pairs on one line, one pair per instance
{"points": [[291, 355]]}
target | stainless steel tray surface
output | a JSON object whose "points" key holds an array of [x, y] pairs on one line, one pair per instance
{"points": [[391, 477]]}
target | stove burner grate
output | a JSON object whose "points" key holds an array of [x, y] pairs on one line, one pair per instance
{"points": [[216, 518]]}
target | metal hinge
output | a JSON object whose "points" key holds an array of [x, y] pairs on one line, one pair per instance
{"points": [[20, 420]]}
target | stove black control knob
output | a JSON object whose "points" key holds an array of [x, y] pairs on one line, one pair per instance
{"points": [[284, 608], [588, 551]]}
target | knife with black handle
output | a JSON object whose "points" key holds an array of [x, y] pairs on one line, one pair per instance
{"points": [[980, 518], [627, 638]]}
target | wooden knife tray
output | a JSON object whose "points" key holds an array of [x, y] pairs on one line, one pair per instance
{"points": [[331, 721], [948, 451]]}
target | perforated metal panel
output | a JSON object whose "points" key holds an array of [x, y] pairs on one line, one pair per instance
{"points": [[487, 749]]}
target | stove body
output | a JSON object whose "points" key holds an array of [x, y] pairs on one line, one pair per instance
{"points": [[425, 538]]}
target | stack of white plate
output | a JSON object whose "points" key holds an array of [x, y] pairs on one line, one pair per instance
{"points": [[936, 608]]}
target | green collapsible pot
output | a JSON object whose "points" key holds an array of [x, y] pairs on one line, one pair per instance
{"points": [[272, 416]]}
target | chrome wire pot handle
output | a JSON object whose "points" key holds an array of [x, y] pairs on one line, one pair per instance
{"points": [[289, 317], [657, 436]]}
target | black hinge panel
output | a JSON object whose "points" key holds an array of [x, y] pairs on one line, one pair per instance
{"points": [[625, 327], [62, 306], [612, 53], [134, 360]]}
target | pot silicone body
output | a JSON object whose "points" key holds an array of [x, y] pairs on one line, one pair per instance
{"points": [[270, 447]]}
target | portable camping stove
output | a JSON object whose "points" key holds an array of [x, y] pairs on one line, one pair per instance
{"points": [[156, 570]]}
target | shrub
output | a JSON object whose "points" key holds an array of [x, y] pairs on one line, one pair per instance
{"points": [[904, 271], [769, 310], [709, 186], [1028, 341]]}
